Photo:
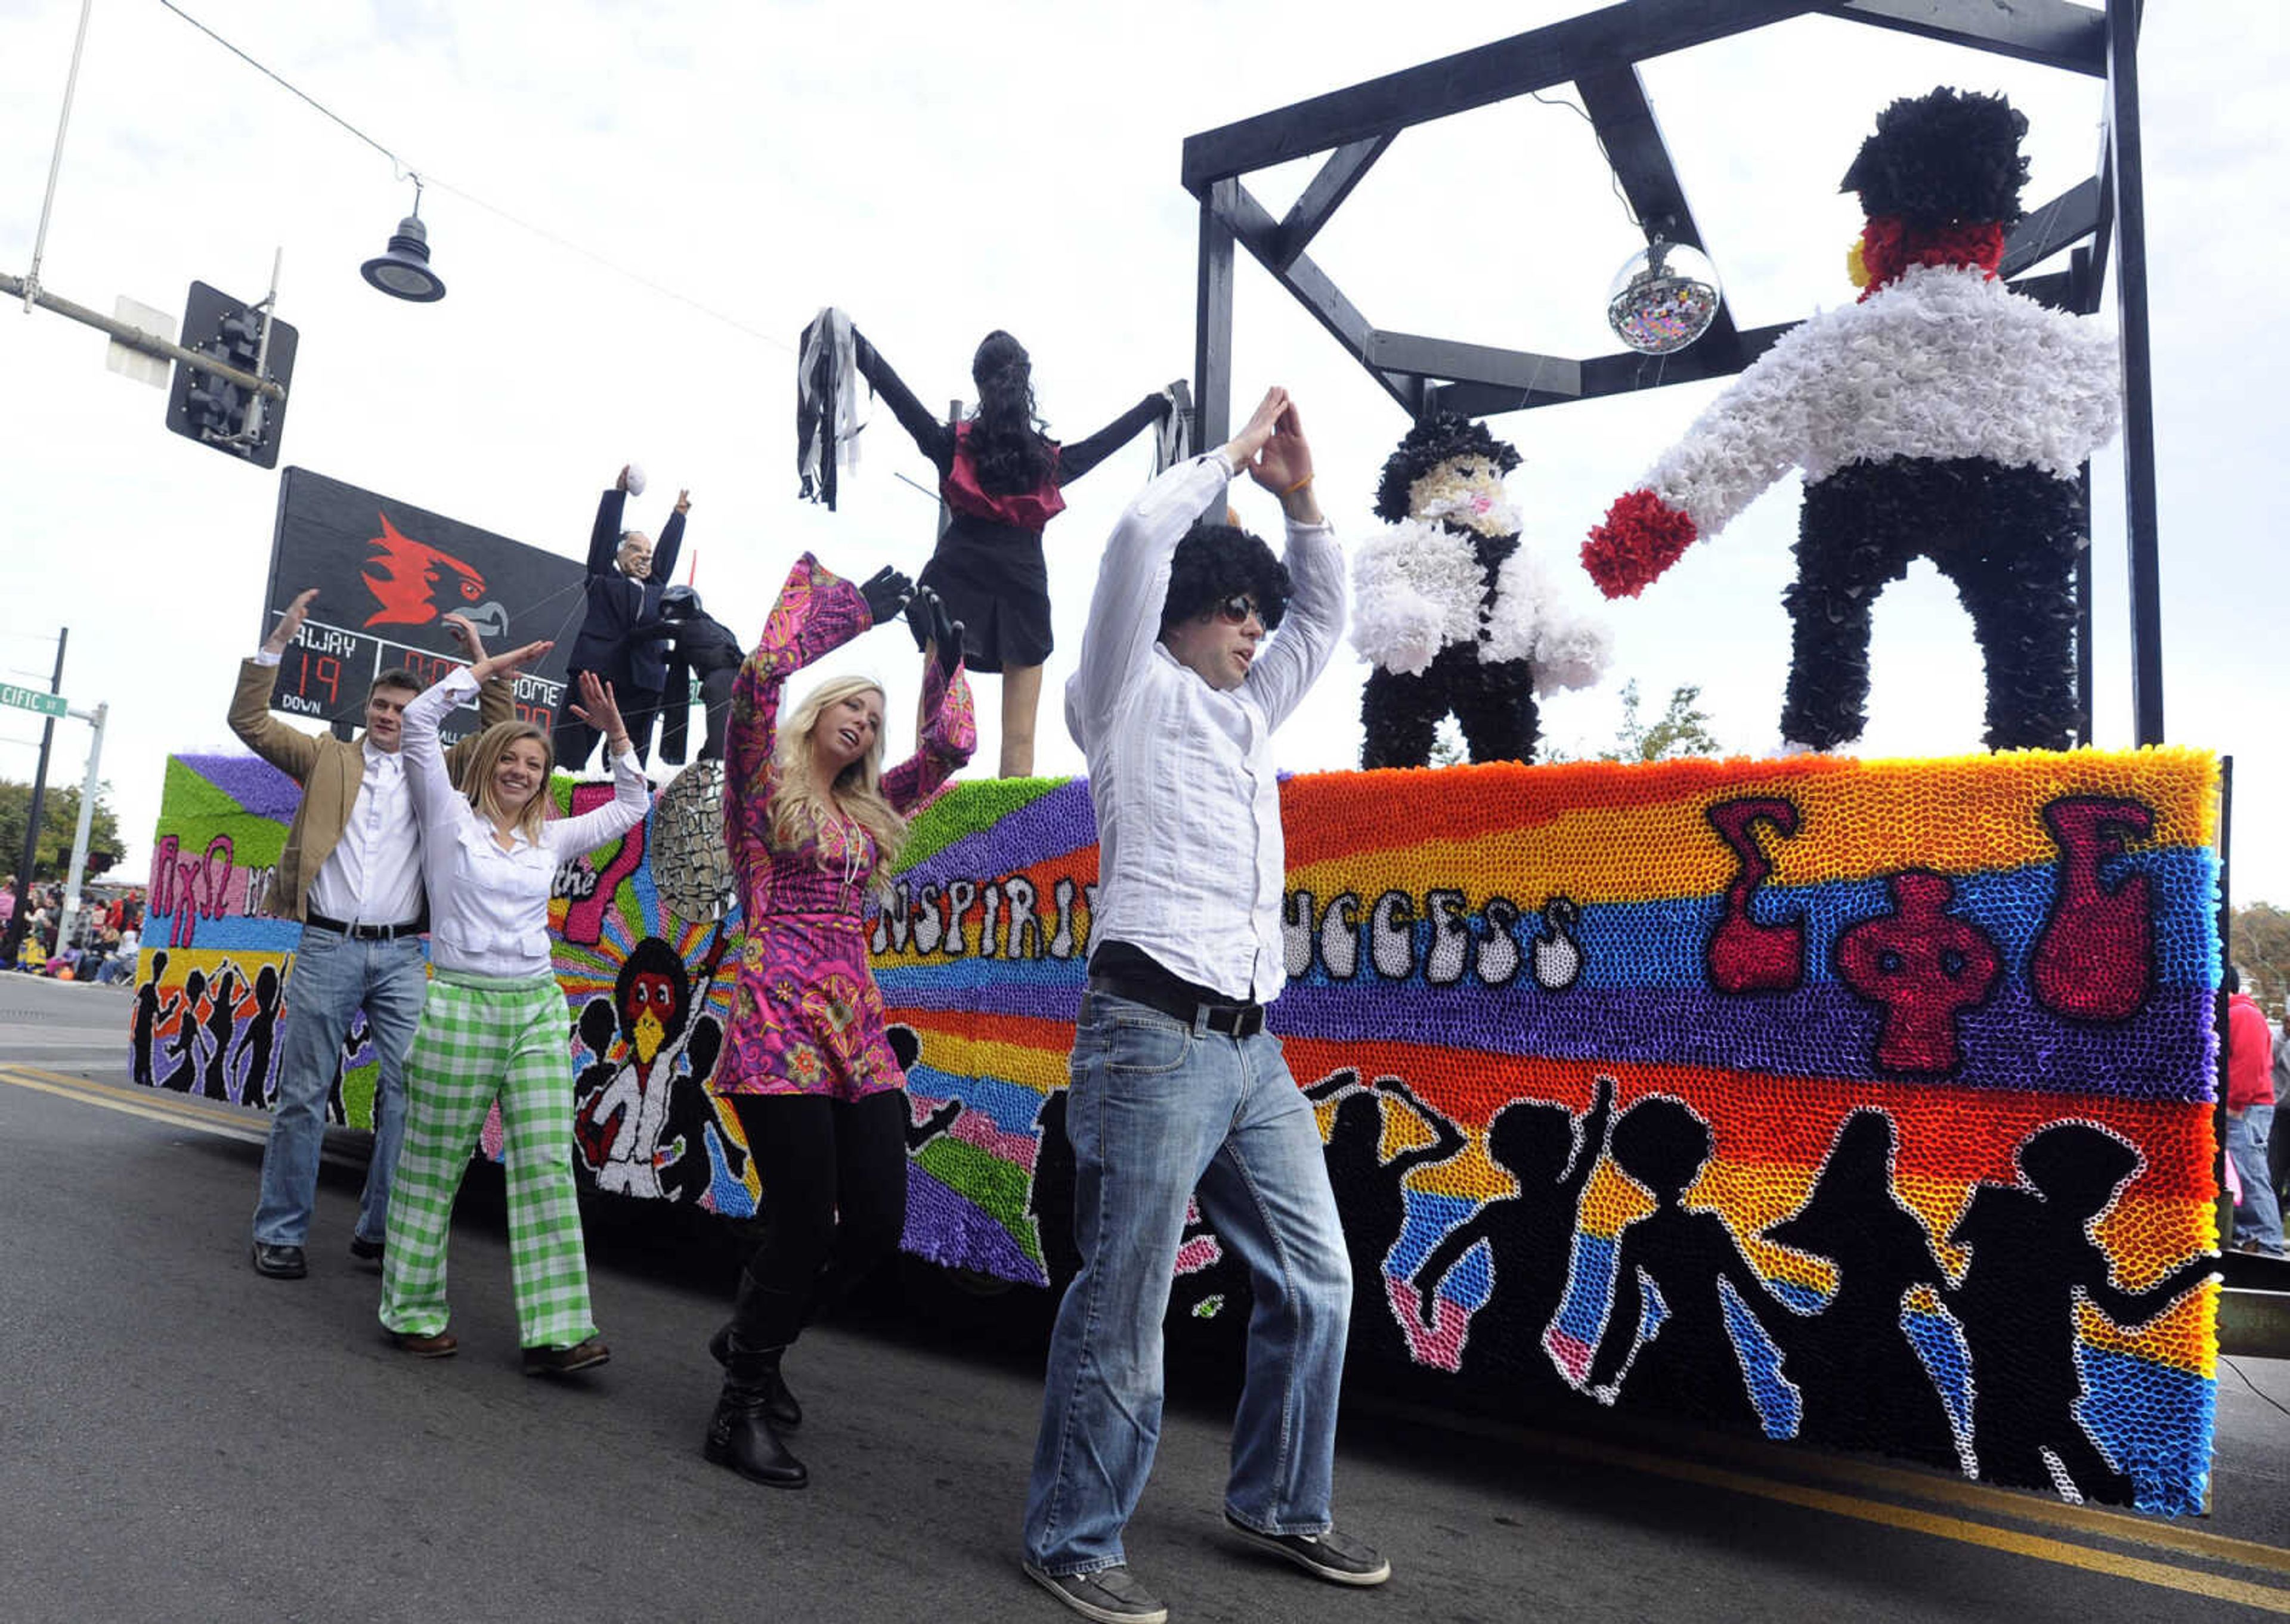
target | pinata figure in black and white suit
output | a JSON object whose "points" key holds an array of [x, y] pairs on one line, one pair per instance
{"points": [[1942, 417], [1453, 611]]}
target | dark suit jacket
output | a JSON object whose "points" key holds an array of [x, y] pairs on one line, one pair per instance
{"points": [[607, 643]]}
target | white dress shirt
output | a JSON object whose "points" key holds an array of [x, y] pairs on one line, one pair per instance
{"points": [[374, 873], [1190, 864], [489, 907]]}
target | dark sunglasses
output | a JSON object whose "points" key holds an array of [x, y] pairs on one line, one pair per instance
{"points": [[1237, 608]]}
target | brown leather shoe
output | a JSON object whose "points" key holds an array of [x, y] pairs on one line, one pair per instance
{"points": [[564, 1360], [441, 1345]]}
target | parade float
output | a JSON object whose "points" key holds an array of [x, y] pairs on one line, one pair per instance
{"points": [[1860, 1103]]}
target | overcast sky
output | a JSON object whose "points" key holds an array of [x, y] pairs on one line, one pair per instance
{"points": [[939, 171]]}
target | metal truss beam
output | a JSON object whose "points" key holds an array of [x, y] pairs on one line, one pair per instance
{"points": [[1345, 168], [2062, 223], [1630, 32], [2055, 33], [1253, 227], [1551, 377]]}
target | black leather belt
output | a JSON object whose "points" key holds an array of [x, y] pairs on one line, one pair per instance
{"points": [[1233, 1020], [364, 933]]}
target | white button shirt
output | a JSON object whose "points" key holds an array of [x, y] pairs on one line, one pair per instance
{"points": [[374, 873], [1191, 863], [489, 907]]}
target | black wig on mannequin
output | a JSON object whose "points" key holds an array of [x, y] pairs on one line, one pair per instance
{"points": [[1215, 561], [1435, 439], [1951, 155], [1006, 437]]}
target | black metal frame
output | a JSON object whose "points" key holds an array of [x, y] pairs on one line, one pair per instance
{"points": [[1599, 53]]}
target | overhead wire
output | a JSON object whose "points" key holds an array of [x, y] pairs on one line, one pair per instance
{"points": [[424, 178]]}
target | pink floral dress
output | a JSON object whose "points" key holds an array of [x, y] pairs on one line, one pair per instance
{"points": [[806, 1016]]}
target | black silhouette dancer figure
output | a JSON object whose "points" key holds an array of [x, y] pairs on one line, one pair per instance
{"points": [[150, 1009], [1863, 1385], [354, 1037], [262, 1034], [186, 1051], [222, 1029], [906, 1048], [921, 1133], [1688, 1364], [1049, 1199], [1372, 1194], [2032, 1250], [1530, 1235]]}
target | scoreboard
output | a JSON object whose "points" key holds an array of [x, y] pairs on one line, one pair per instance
{"points": [[388, 573]]}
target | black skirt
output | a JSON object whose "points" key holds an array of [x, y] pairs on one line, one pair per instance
{"points": [[993, 580]]}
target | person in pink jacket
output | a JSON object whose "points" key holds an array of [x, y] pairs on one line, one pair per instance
{"points": [[2250, 1119], [812, 822]]}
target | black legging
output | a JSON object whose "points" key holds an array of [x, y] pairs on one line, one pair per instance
{"points": [[835, 1200]]}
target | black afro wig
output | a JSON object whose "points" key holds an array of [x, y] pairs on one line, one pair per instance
{"points": [[1431, 442], [1215, 561], [1950, 157]]}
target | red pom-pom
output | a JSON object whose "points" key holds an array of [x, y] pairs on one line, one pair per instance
{"points": [[1641, 538]]}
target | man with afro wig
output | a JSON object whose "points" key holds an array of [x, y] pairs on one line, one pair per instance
{"points": [[1177, 1090]]}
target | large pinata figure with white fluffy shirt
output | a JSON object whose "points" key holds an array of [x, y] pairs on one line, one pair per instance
{"points": [[1942, 417], [1453, 613]]}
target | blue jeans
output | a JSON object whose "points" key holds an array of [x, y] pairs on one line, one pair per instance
{"points": [[1156, 1109], [2259, 1218], [332, 978]]}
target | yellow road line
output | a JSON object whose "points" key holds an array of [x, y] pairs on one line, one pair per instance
{"points": [[2120, 1525], [2039, 1546], [76, 1088]]}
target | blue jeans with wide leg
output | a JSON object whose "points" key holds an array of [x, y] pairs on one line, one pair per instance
{"points": [[334, 977], [1158, 1110], [2259, 1218]]}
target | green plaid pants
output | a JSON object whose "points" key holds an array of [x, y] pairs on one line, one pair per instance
{"points": [[483, 1038]]}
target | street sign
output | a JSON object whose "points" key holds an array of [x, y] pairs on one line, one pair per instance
{"points": [[32, 699], [156, 370]]}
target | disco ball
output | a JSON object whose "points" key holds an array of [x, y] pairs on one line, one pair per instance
{"points": [[1664, 299]]}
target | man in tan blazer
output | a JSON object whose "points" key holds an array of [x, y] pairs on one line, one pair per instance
{"points": [[351, 872]]}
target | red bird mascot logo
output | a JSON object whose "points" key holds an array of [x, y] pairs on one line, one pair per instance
{"points": [[406, 576]]}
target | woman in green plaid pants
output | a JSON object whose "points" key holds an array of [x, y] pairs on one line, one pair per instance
{"points": [[493, 1027]]}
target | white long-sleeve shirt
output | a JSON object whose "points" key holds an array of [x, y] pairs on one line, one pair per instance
{"points": [[1191, 863], [374, 873], [489, 907]]}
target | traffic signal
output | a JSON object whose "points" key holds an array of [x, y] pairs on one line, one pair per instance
{"points": [[213, 411], [100, 862]]}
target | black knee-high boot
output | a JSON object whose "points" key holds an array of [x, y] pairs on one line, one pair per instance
{"points": [[763, 1317], [739, 1434]]}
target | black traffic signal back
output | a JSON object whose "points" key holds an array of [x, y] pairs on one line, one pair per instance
{"points": [[213, 411]]}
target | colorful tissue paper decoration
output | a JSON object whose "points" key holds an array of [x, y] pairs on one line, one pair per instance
{"points": [[1786, 1036], [1944, 416], [1863, 1103]]}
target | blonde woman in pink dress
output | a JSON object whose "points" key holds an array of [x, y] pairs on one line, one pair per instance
{"points": [[812, 821]]}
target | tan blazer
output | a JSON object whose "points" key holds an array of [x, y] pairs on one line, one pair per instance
{"points": [[330, 771]]}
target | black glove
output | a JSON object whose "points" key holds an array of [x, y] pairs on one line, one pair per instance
{"points": [[927, 618], [886, 592]]}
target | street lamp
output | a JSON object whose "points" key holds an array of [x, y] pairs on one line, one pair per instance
{"points": [[404, 271]]}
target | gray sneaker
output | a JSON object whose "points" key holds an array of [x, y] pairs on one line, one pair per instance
{"points": [[1331, 1556], [1110, 1596]]}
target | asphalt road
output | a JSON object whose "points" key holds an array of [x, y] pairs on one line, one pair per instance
{"points": [[180, 1439]]}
